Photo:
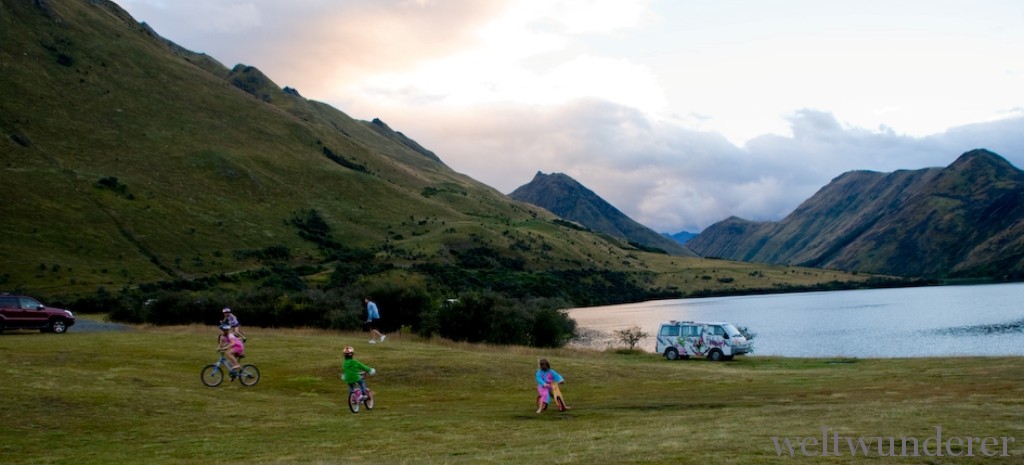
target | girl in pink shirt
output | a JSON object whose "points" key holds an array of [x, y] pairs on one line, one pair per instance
{"points": [[231, 345]]}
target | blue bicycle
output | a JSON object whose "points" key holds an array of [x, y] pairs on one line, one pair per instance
{"points": [[213, 375]]}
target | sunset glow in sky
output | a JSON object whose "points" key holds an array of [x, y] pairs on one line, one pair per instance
{"points": [[680, 113]]}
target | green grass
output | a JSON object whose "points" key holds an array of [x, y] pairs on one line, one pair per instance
{"points": [[135, 397]]}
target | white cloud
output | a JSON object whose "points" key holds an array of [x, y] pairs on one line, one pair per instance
{"points": [[678, 113], [671, 178], [522, 55]]}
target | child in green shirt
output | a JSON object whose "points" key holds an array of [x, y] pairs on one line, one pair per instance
{"points": [[352, 369]]}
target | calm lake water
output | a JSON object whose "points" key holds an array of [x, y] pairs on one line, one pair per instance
{"points": [[908, 322]]}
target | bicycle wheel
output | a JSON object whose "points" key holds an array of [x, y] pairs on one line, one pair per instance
{"points": [[368, 400], [249, 375], [353, 402], [211, 375]]}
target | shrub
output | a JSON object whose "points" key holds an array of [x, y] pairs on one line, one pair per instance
{"points": [[283, 277], [399, 305], [313, 228], [631, 336], [492, 317], [180, 307]]}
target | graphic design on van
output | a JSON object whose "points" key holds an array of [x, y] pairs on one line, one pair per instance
{"points": [[718, 341]]}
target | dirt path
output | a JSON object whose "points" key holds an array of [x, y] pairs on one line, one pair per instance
{"points": [[86, 325]]}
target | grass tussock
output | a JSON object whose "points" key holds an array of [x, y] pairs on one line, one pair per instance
{"points": [[122, 397]]}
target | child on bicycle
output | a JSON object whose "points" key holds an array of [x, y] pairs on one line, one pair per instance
{"points": [[351, 369], [545, 378], [232, 346], [232, 320]]}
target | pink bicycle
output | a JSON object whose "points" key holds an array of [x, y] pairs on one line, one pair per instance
{"points": [[357, 398]]}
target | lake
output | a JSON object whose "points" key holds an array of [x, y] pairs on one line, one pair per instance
{"points": [[906, 322]]}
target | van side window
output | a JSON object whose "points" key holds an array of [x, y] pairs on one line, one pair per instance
{"points": [[669, 330], [717, 330], [691, 331]]}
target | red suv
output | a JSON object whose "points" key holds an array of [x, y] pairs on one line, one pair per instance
{"points": [[20, 312]]}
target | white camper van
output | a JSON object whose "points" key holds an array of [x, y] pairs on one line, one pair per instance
{"points": [[714, 340]]}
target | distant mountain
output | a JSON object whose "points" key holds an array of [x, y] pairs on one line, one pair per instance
{"points": [[965, 220], [567, 198], [681, 237]]}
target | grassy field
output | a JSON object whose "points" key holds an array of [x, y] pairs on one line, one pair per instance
{"points": [[135, 397]]}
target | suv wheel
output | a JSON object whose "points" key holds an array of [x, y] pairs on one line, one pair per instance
{"points": [[58, 325]]}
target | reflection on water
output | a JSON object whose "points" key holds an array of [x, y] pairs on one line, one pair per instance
{"points": [[911, 322], [975, 330]]}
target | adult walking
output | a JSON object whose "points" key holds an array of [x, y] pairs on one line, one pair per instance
{"points": [[373, 321]]}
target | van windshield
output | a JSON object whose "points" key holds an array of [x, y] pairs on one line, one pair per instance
{"points": [[731, 330]]}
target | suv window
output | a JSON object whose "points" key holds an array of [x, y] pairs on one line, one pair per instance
{"points": [[669, 330], [29, 304], [8, 302]]}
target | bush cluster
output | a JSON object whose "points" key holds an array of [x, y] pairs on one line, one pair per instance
{"points": [[487, 295], [477, 317], [499, 319]]}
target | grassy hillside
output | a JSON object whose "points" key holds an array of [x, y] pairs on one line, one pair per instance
{"points": [[205, 168], [121, 397], [128, 160], [962, 221]]}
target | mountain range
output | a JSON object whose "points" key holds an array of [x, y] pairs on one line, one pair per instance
{"points": [[567, 198], [127, 159], [962, 221], [681, 237]]}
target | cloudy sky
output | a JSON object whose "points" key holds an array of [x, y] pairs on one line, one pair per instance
{"points": [[680, 113]]}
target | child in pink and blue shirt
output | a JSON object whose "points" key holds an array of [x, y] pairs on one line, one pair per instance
{"points": [[545, 377]]}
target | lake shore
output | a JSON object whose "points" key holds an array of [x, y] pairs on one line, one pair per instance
{"points": [[943, 321]]}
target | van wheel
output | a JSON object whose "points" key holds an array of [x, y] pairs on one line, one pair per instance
{"points": [[671, 354], [716, 355]]}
